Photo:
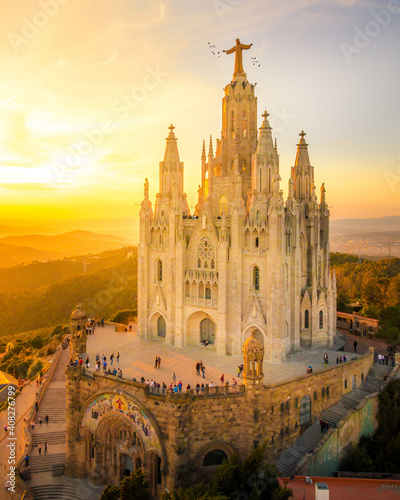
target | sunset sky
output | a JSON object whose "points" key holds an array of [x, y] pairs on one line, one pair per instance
{"points": [[89, 88]]}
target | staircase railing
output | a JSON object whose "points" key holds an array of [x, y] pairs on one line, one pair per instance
{"points": [[31, 415]]}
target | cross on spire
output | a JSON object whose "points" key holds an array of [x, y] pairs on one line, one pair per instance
{"points": [[302, 134], [171, 127], [265, 115]]}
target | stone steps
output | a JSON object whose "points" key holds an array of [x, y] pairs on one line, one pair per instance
{"points": [[50, 437], [58, 492], [44, 463], [53, 404], [289, 460]]}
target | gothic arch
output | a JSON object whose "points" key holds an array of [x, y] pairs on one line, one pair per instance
{"points": [[116, 421], [227, 448], [260, 333], [154, 324], [223, 206], [206, 251], [159, 270], [303, 255], [193, 327], [81, 425], [255, 277]]}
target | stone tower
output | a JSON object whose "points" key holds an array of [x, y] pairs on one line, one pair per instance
{"points": [[246, 258], [253, 356], [78, 332]]}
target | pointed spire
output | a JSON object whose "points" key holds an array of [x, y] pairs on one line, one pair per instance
{"points": [[265, 144], [276, 146], [171, 149], [302, 158], [210, 149], [203, 152]]}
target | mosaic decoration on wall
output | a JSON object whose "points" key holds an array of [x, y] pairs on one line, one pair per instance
{"points": [[111, 402]]}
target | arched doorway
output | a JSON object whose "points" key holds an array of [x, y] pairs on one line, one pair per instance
{"points": [[161, 327], [207, 330], [127, 466], [117, 449]]}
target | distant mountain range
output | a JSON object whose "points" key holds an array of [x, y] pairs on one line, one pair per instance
{"points": [[380, 236], [125, 228], [391, 223], [31, 247], [24, 241]]}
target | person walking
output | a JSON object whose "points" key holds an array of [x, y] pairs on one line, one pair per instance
{"points": [[156, 363], [45, 447], [40, 420], [198, 368], [159, 362], [40, 448], [112, 358], [355, 345], [46, 419], [222, 380], [204, 371], [174, 377], [118, 358], [26, 458]]}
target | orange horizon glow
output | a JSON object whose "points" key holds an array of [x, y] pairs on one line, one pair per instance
{"points": [[88, 94]]}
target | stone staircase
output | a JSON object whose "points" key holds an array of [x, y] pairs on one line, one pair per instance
{"points": [[60, 492], [289, 460], [53, 405], [51, 438], [340, 341], [44, 463]]}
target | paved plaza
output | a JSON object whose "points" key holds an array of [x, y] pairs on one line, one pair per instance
{"points": [[137, 359]]}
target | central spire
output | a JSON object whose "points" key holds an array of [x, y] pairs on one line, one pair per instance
{"points": [[238, 49]]}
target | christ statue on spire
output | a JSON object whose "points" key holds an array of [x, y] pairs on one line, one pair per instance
{"points": [[238, 48]]}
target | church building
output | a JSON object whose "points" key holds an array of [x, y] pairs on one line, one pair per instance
{"points": [[246, 258]]}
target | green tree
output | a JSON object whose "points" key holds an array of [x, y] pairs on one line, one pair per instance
{"points": [[35, 368], [198, 492], [135, 487], [282, 494], [110, 492], [252, 477], [356, 459]]}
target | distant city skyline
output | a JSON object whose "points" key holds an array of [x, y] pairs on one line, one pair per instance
{"points": [[89, 90]]}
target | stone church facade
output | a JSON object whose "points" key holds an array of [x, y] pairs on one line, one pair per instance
{"points": [[246, 258]]}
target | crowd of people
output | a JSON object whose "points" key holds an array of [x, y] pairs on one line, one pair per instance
{"points": [[177, 387], [341, 359], [91, 325]]}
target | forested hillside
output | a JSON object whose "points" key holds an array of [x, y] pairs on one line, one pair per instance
{"points": [[376, 285], [38, 274], [101, 293]]}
